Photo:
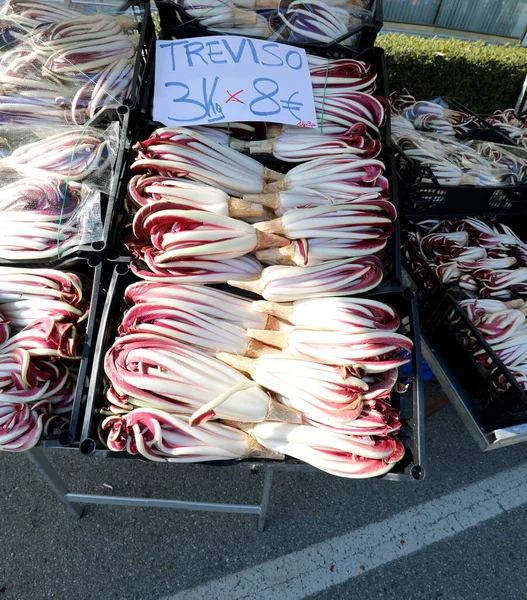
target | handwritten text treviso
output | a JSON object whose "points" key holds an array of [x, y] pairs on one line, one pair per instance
{"points": [[222, 79]]}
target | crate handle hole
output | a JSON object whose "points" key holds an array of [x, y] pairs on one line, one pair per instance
{"points": [[94, 261], [66, 438], [87, 446], [418, 473], [122, 268], [113, 254]]}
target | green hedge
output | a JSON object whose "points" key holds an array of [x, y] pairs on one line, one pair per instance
{"points": [[485, 77]]}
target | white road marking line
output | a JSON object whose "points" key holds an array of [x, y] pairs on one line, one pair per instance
{"points": [[305, 572]]}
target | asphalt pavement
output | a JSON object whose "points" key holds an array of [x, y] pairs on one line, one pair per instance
{"points": [[459, 534]]}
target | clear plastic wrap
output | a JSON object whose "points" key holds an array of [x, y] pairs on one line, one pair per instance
{"points": [[453, 163], [71, 154], [66, 69], [19, 19], [399, 122], [428, 116], [500, 155], [431, 116], [508, 122], [43, 217], [319, 21], [295, 21]]}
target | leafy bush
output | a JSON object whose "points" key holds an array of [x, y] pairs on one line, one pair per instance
{"points": [[485, 77]]}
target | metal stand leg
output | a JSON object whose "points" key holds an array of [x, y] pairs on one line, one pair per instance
{"points": [[73, 500], [266, 493], [48, 472]]}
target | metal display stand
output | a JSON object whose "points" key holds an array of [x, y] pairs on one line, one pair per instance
{"points": [[72, 500], [486, 440]]}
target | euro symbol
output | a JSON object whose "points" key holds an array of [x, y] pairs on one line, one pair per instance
{"points": [[292, 106]]}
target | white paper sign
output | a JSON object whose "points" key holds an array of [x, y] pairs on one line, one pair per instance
{"points": [[227, 78]]}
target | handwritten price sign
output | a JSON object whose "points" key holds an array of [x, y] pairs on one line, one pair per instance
{"points": [[228, 78]]}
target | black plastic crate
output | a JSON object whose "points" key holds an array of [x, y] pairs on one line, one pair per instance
{"points": [[410, 403], [430, 290], [480, 129], [176, 23], [92, 269], [492, 134], [145, 56], [500, 136], [477, 123], [422, 194], [125, 115], [455, 339]]}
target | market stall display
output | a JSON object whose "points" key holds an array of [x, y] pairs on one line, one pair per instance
{"points": [[231, 241], [331, 244], [249, 311]]}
